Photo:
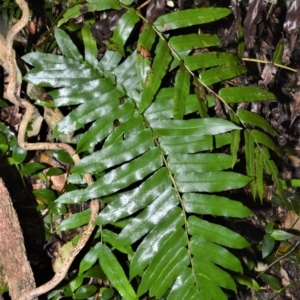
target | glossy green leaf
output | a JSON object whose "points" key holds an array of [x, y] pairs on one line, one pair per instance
{"points": [[222, 139], [256, 120], [125, 130], [75, 74], [158, 71], [95, 272], [149, 217], [247, 281], [143, 62], [81, 92], [32, 168], [210, 181], [76, 282], [214, 205], [115, 154], [126, 2], [209, 289], [210, 59], [48, 61], [60, 66], [273, 171], [278, 53], [93, 5], [189, 17], [55, 171], [3, 103], [115, 273], [89, 259], [18, 154], [146, 40], [90, 45], [2, 139], [132, 201], [163, 106], [75, 220], [143, 68], [45, 195], [218, 74], [124, 28], [215, 254], [110, 60], [186, 144], [155, 240], [58, 209], [66, 45], [245, 94], [170, 272], [85, 291], [125, 175], [62, 156], [294, 183], [193, 41], [259, 170], [199, 162], [295, 201], [191, 127], [127, 77], [184, 287], [234, 146], [87, 112], [104, 4], [215, 233], [281, 235], [268, 244], [272, 281], [269, 163], [113, 239], [249, 153], [72, 12], [102, 127], [214, 273], [3, 149], [182, 89], [270, 225], [67, 292], [106, 293], [262, 138], [166, 265]]}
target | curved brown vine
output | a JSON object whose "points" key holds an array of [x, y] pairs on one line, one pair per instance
{"points": [[7, 56]]}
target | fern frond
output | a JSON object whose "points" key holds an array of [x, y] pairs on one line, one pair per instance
{"points": [[153, 168]]}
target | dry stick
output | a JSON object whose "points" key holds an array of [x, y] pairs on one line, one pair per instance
{"points": [[279, 259], [15, 99]]}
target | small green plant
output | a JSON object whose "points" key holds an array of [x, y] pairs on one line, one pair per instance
{"points": [[8, 9], [11, 154]]}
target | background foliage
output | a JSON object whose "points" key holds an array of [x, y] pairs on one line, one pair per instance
{"points": [[143, 106]]}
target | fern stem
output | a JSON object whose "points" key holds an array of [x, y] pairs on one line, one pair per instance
{"points": [[268, 62], [279, 259]]}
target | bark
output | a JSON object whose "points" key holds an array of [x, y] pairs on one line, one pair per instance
{"points": [[18, 272]]}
